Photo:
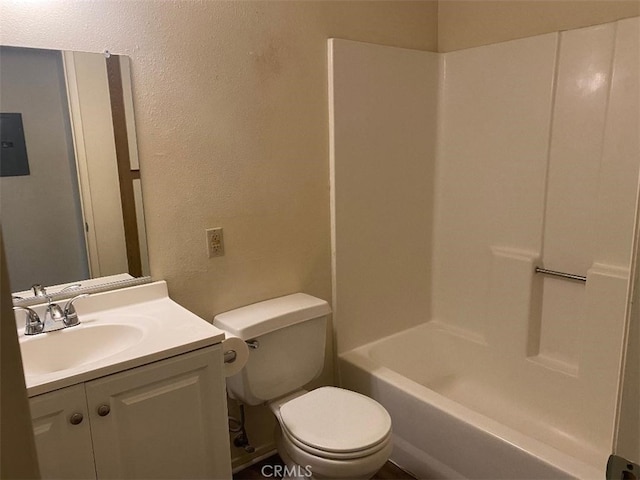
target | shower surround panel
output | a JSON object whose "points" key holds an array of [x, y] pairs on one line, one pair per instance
{"points": [[536, 164]]}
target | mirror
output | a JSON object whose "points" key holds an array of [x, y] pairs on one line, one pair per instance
{"points": [[69, 175]]}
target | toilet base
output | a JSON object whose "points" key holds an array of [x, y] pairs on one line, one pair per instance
{"points": [[294, 471]]}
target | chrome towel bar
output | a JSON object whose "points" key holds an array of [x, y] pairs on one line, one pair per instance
{"points": [[569, 276]]}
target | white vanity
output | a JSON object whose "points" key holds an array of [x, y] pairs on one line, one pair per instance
{"points": [[137, 390]]}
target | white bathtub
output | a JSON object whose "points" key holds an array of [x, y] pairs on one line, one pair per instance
{"points": [[457, 413]]}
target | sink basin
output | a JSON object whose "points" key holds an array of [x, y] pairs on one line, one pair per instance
{"points": [[76, 346]]}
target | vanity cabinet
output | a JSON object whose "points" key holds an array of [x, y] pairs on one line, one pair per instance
{"points": [[167, 419]]}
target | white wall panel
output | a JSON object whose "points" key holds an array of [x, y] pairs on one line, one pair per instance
{"points": [[491, 168], [383, 124], [580, 102], [619, 176], [562, 196], [582, 90]]}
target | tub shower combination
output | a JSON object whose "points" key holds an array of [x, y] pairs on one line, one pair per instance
{"points": [[484, 207]]}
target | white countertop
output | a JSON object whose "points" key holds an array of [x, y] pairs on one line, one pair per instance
{"points": [[161, 329]]}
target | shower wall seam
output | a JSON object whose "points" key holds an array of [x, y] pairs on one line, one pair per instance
{"points": [[545, 200]]}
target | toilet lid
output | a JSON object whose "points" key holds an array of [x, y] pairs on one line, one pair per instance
{"points": [[336, 420]]}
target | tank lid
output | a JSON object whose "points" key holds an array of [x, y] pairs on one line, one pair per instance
{"points": [[265, 317]]}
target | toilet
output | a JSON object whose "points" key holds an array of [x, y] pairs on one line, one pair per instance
{"points": [[328, 432]]}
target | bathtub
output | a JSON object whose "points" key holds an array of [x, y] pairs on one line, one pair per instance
{"points": [[457, 413]]}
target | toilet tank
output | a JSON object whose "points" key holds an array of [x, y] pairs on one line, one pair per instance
{"points": [[290, 332]]}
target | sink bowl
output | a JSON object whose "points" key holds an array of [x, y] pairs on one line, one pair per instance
{"points": [[76, 346]]}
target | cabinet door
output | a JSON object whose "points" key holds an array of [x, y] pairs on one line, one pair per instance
{"points": [[164, 420], [62, 434]]}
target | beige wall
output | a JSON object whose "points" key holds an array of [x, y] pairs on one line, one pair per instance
{"points": [[469, 23], [231, 107], [232, 123]]}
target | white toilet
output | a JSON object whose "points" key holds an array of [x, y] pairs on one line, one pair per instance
{"points": [[329, 432]]}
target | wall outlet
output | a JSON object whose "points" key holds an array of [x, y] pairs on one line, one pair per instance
{"points": [[215, 242]]}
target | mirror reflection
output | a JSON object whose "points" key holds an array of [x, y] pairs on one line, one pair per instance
{"points": [[69, 176]]}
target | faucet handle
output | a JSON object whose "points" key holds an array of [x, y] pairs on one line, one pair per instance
{"points": [[70, 314], [32, 324], [38, 290], [53, 311]]}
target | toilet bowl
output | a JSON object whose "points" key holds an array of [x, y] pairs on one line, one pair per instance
{"points": [[333, 433], [328, 432]]}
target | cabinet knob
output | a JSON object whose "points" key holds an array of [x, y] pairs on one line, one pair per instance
{"points": [[76, 419], [103, 410]]}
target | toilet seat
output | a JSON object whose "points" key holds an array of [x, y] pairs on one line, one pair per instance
{"points": [[334, 423], [361, 468], [356, 454]]}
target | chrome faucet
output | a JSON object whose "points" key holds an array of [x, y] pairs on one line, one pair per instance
{"points": [[53, 314], [32, 324]]}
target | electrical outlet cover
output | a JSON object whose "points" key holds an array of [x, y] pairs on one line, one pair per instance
{"points": [[215, 242]]}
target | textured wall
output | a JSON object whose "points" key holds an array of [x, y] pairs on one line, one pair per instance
{"points": [[232, 123], [231, 107], [469, 23]]}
